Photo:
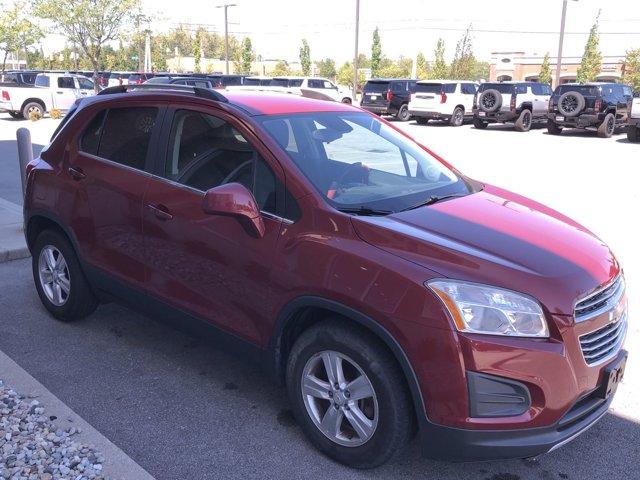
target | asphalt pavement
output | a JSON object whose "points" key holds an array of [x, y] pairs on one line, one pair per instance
{"points": [[184, 408]]}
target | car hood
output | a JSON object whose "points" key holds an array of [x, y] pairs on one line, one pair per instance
{"points": [[496, 237]]}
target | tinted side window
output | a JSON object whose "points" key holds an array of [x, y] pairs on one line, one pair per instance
{"points": [[449, 87], [91, 136], [521, 89], [469, 89], [627, 91], [126, 135], [399, 86], [536, 89], [66, 82], [42, 81]]}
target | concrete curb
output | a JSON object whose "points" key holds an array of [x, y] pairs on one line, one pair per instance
{"points": [[118, 465], [12, 242]]}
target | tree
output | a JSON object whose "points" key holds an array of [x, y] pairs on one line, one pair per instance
{"points": [[305, 58], [439, 70], [281, 69], [88, 23], [326, 68], [17, 32], [480, 71], [592, 58], [345, 75], [422, 69], [545, 70], [463, 60], [631, 69], [243, 63], [376, 54], [396, 69], [197, 53]]}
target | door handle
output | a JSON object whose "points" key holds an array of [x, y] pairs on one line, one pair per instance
{"points": [[160, 211], [59, 93], [77, 173]]}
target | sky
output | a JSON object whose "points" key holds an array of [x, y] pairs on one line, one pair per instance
{"points": [[276, 27]]}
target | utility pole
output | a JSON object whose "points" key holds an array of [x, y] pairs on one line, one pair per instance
{"points": [[355, 57], [226, 34], [561, 41]]}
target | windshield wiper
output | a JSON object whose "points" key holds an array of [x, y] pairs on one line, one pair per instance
{"points": [[434, 199], [365, 211]]}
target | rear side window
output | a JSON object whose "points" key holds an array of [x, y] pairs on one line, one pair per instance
{"points": [[126, 134], [521, 88], [450, 87], [42, 81], [501, 87], [91, 137], [428, 88], [66, 82], [586, 90], [399, 86], [469, 89]]}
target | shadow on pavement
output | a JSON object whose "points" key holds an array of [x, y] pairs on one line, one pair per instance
{"points": [[183, 408]]}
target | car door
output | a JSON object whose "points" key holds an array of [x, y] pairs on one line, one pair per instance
{"points": [[84, 86], [108, 175], [64, 93], [211, 266]]}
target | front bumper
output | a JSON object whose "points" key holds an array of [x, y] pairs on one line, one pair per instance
{"points": [[457, 444]]}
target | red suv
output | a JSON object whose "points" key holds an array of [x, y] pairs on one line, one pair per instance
{"points": [[389, 292]]}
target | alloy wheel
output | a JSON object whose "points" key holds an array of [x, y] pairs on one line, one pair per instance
{"points": [[339, 398], [611, 125], [570, 104], [54, 275]]}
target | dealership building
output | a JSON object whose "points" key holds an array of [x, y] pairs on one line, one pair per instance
{"points": [[523, 67]]}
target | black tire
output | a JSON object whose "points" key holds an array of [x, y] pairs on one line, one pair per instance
{"points": [[457, 119], [490, 101], [571, 103], [80, 301], [633, 133], [524, 121], [608, 126], [346, 100], [477, 123], [395, 424], [553, 128], [422, 120], [32, 107], [16, 115], [403, 114]]}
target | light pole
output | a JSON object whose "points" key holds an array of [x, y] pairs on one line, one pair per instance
{"points": [[355, 57], [226, 34], [561, 41]]}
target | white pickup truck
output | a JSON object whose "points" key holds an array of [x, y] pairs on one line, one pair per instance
{"points": [[51, 91], [633, 130], [315, 87]]}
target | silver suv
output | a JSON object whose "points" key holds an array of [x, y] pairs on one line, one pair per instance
{"points": [[521, 103]]}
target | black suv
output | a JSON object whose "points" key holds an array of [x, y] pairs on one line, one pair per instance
{"points": [[388, 97], [594, 106]]}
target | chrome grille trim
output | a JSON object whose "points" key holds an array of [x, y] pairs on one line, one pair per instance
{"points": [[604, 343], [601, 300]]}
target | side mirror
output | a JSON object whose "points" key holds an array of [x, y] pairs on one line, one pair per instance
{"points": [[233, 199]]}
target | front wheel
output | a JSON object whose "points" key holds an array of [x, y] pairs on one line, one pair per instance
{"points": [[348, 395], [60, 282], [457, 118], [403, 114], [633, 133], [477, 123], [608, 126]]}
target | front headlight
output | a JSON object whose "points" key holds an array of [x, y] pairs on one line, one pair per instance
{"points": [[490, 310]]}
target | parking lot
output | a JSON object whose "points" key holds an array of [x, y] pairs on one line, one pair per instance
{"points": [[184, 408]]}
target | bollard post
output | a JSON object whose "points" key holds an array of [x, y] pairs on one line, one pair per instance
{"points": [[25, 154]]}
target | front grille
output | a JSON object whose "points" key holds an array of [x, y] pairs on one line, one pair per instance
{"points": [[603, 299], [605, 342]]}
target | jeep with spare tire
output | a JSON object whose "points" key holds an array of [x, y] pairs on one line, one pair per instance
{"points": [[520, 103], [597, 106]]}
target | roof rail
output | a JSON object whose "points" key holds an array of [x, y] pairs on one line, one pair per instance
{"points": [[197, 91]]}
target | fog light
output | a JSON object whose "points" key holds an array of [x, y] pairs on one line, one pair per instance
{"points": [[491, 396]]}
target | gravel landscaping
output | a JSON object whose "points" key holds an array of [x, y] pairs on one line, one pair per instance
{"points": [[32, 447]]}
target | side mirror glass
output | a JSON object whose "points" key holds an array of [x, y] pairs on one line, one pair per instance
{"points": [[233, 199]]}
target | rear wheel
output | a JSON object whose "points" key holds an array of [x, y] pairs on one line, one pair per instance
{"points": [[523, 123], [608, 126], [60, 282], [348, 395], [457, 118], [633, 133], [32, 108], [553, 128], [403, 114], [477, 123]]}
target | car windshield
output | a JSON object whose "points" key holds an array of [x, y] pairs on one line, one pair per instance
{"points": [[500, 87], [428, 87], [357, 162], [376, 87], [589, 90]]}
